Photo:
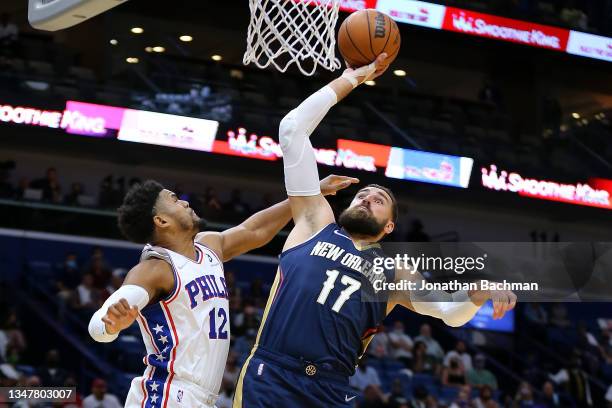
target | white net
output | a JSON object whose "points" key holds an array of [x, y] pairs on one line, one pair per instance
{"points": [[284, 32]]}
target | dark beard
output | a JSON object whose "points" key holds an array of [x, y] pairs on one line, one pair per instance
{"points": [[357, 222], [201, 224]]}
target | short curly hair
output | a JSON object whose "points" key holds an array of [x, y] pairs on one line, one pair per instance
{"points": [[135, 216]]}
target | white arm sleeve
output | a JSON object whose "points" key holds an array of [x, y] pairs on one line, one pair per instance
{"points": [[301, 174], [135, 296], [454, 309]]}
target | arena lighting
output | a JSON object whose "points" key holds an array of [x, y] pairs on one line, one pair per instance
{"points": [[114, 42], [132, 60], [149, 49], [576, 115], [137, 30], [158, 49], [399, 73], [216, 57], [370, 83], [186, 38], [585, 122]]}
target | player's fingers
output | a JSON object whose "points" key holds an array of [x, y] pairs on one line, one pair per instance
{"points": [[108, 321], [133, 312], [381, 58], [125, 304], [114, 312], [513, 299], [120, 308]]}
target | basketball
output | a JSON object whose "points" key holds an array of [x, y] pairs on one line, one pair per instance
{"points": [[366, 34]]}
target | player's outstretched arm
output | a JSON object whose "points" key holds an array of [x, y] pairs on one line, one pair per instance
{"points": [[259, 229], [149, 280], [310, 211], [454, 309]]}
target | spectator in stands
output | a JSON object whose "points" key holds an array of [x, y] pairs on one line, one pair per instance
{"points": [[524, 396], [99, 398], [232, 370], [16, 338], [248, 321], [536, 313], [460, 351], [433, 347], [380, 346], [372, 398], [256, 290], [454, 374], [51, 190], [490, 94], [533, 372], [107, 197], [485, 398], [211, 200], [51, 374], [419, 397], [559, 316], [364, 375], [423, 362], [9, 35], [116, 281], [551, 399], [69, 277], [574, 17], [22, 186], [72, 198], [576, 381], [87, 296], [463, 398], [401, 344], [479, 376], [71, 382], [236, 204], [417, 232], [397, 397]]}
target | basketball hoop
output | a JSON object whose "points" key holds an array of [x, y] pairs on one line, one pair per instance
{"points": [[284, 32], [53, 15]]}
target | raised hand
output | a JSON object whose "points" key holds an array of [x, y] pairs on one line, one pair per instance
{"points": [[331, 184], [119, 316], [360, 75]]}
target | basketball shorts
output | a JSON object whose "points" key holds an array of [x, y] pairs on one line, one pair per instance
{"points": [[147, 393], [272, 381]]}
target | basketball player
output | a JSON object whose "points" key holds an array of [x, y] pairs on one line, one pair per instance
{"points": [[178, 293], [315, 325]]}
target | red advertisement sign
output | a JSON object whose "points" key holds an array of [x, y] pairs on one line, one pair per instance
{"points": [[505, 29], [594, 193]]}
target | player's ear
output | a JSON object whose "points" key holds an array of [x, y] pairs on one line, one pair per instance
{"points": [[160, 221], [389, 227]]}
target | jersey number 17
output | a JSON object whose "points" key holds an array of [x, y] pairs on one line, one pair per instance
{"points": [[352, 286]]}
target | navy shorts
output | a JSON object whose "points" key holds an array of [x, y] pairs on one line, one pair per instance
{"points": [[272, 381]]}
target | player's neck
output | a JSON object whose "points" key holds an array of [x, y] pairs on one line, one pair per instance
{"points": [[361, 241], [183, 246]]}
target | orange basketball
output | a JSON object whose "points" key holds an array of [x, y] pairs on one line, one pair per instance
{"points": [[366, 34]]}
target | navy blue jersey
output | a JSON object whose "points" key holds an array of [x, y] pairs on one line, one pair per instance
{"points": [[322, 307]]}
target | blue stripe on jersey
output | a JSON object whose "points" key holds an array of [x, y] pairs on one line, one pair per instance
{"points": [[160, 329]]}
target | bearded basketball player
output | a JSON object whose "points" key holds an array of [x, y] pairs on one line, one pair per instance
{"points": [[316, 324], [178, 294]]}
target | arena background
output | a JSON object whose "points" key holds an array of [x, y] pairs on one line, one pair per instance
{"points": [[482, 106]]}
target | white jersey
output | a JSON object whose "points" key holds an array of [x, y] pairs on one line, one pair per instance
{"points": [[187, 334]]}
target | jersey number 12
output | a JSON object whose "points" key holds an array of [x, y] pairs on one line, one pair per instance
{"points": [[352, 286]]}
